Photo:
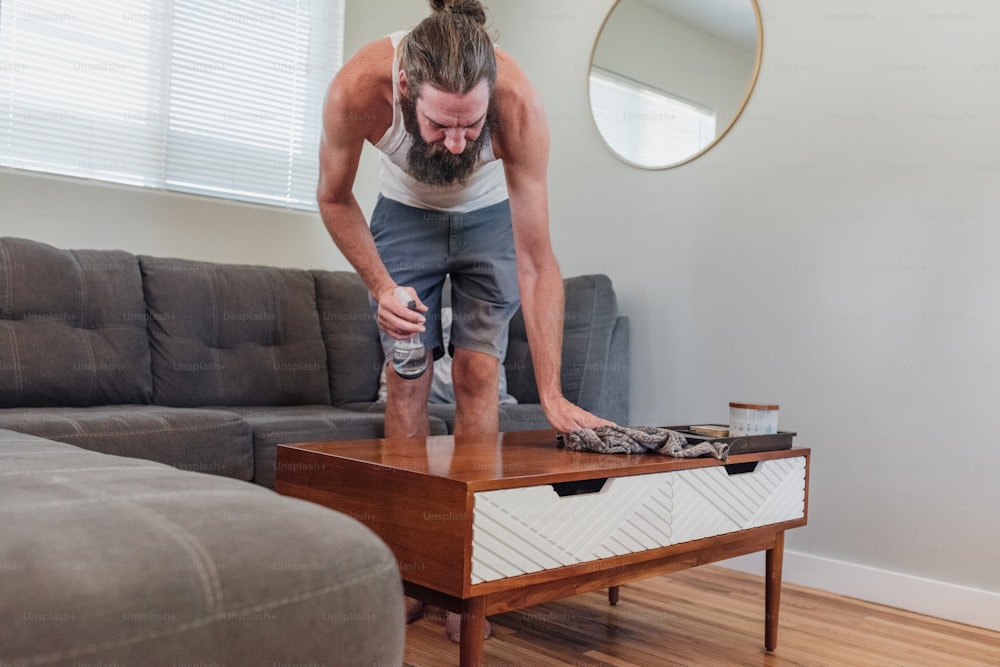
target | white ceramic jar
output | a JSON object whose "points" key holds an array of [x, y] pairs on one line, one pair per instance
{"points": [[752, 419]]}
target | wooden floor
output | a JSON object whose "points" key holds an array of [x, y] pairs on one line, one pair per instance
{"points": [[712, 616]]}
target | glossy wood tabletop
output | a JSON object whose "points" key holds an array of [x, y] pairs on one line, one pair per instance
{"points": [[506, 460]]}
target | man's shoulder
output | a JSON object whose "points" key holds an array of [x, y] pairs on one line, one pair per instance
{"points": [[515, 96], [520, 113], [362, 89], [512, 81], [372, 64]]}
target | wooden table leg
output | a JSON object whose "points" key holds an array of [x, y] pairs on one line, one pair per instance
{"points": [[473, 628], [772, 590], [613, 595]]}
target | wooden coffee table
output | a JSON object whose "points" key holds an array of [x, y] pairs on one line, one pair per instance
{"points": [[485, 525]]}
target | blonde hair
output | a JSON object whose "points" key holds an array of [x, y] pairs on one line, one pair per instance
{"points": [[450, 49]]}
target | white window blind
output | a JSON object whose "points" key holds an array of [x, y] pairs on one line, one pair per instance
{"points": [[649, 127], [216, 98]]}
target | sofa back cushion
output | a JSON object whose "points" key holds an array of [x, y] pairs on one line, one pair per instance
{"points": [[72, 327], [591, 311], [351, 336], [230, 334]]}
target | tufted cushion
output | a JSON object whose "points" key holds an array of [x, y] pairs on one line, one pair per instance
{"points": [[72, 327], [228, 334]]}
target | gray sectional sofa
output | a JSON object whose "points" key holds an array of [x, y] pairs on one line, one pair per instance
{"points": [[207, 367], [114, 364], [109, 560]]}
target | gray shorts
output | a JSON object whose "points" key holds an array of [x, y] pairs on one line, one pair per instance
{"points": [[420, 248]]}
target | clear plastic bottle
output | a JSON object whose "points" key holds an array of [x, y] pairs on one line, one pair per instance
{"points": [[409, 357]]}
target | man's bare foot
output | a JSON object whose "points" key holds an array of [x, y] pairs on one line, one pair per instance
{"points": [[453, 627], [414, 609]]}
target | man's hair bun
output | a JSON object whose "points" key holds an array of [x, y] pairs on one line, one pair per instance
{"points": [[473, 9], [450, 49]]}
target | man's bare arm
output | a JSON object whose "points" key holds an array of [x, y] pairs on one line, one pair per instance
{"points": [[355, 111], [523, 144]]}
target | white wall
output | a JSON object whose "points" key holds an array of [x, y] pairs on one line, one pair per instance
{"points": [[75, 213], [836, 253]]}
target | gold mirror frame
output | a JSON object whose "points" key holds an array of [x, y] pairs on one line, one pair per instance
{"points": [[719, 134]]}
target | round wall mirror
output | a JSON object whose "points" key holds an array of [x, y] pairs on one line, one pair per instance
{"points": [[668, 78]]}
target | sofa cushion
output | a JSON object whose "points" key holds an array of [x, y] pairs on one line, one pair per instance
{"points": [[109, 560], [72, 327], [590, 315], [210, 441], [229, 334], [350, 334], [273, 426]]}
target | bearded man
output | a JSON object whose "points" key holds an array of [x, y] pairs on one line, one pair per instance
{"points": [[464, 152]]}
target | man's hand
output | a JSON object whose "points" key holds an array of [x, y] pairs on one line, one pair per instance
{"points": [[395, 318], [565, 417]]}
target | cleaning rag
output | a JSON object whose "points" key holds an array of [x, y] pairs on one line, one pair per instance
{"points": [[640, 440]]}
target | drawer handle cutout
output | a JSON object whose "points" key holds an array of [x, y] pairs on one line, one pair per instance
{"points": [[741, 468], [579, 487]]}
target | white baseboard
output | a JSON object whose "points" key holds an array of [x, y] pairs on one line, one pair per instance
{"points": [[924, 596]]}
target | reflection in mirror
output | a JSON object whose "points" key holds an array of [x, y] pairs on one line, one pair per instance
{"points": [[668, 78]]}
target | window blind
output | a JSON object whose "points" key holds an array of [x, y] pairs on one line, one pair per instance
{"points": [[649, 127], [214, 98]]}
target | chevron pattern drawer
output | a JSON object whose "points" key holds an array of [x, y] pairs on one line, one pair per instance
{"points": [[530, 529], [717, 500]]}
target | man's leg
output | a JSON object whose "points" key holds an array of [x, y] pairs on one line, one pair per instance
{"points": [[475, 376], [406, 416], [406, 403], [484, 297]]}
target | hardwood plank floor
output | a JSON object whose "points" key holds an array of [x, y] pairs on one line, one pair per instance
{"points": [[712, 616]]}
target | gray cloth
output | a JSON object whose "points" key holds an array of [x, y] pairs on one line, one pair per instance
{"points": [[640, 440]]}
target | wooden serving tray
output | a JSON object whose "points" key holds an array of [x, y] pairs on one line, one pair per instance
{"points": [[741, 444]]}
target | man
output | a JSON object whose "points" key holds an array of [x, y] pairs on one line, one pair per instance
{"points": [[457, 102], [464, 144]]}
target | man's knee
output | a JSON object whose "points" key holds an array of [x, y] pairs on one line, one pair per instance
{"points": [[413, 392], [406, 405], [474, 373]]}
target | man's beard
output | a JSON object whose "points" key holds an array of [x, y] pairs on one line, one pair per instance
{"points": [[434, 164]]}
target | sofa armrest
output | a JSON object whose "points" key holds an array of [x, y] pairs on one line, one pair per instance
{"points": [[614, 403]]}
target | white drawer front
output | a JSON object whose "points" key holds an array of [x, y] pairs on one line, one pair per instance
{"points": [[709, 501], [530, 529]]}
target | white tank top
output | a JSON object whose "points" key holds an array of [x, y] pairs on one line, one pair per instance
{"points": [[486, 185]]}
